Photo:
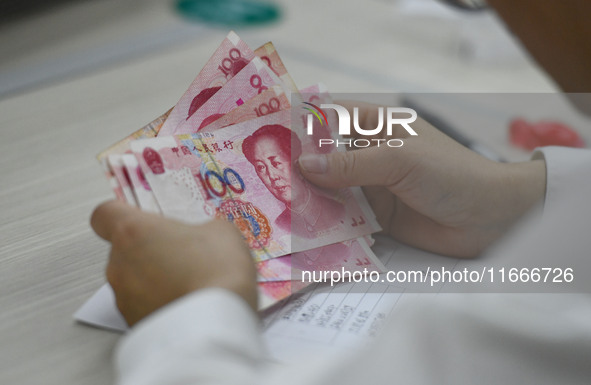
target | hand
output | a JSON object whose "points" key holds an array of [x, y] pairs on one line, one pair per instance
{"points": [[155, 260], [432, 193]]}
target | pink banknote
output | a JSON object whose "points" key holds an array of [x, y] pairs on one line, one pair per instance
{"points": [[118, 169], [352, 255], [276, 269], [170, 170], [112, 180], [244, 173], [267, 102], [268, 54], [139, 185], [254, 79], [148, 131], [226, 62]]}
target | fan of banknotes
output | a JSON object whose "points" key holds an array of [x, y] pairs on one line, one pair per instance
{"points": [[229, 149]]}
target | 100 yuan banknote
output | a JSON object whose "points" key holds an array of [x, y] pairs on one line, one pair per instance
{"points": [[150, 130], [139, 185], [269, 55], [115, 163], [270, 293], [267, 102], [254, 79], [352, 255], [247, 174], [228, 60]]}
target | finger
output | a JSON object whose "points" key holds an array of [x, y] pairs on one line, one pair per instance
{"points": [[365, 167], [108, 215]]}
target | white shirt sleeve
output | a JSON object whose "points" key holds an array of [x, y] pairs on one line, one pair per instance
{"points": [[452, 339], [207, 337], [212, 337], [567, 169]]}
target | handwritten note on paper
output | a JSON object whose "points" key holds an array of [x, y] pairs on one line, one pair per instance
{"points": [[323, 318]]}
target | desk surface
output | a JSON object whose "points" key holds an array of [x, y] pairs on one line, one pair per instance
{"points": [[50, 261]]}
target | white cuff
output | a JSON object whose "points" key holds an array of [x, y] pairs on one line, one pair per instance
{"points": [[567, 169], [182, 342]]}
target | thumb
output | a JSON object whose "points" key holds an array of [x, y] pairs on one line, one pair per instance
{"points": [[110, 216], [370, 166]]}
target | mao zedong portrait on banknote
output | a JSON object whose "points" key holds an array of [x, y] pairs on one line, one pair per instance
{"points": [[272, 150]]}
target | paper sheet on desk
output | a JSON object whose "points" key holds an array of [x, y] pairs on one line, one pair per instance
{"points": [[319, 318], [325, 318], [100, 311]]}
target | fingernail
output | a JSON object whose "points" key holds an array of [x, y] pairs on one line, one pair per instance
{"points": [[313, 163]]}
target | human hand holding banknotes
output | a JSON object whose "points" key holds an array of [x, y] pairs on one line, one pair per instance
{"points": [[432, 193], [228, 150], [232, 150], [155, 260]]}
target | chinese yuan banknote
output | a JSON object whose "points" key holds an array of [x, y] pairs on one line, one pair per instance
{"points": [[275, 269], [245, 173], [272, 292], [170, 171], [142, 191], [112, 180], [267, 102], [352, 255], [193, 187], [254, 78], [150, 130], [268, 54], [116, 165], [226, 62]]}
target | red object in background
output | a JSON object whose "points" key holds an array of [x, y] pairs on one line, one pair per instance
{"points": [[545, 133]]}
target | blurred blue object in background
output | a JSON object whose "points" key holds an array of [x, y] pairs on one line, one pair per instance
{"points": [[229, 12]]}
